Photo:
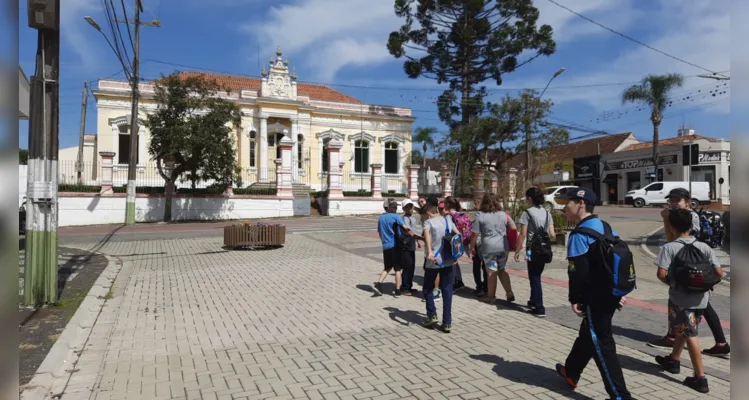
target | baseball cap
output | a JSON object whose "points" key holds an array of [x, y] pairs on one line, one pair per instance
{"points": [[578, 193], [679, 193], [406, 202], [390, 203]]}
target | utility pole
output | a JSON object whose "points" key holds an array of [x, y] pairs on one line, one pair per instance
{"points": [[40, 264], [133, 159], [84, 104]]}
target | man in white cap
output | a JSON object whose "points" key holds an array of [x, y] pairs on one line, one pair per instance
{"points": [[409, 241]]}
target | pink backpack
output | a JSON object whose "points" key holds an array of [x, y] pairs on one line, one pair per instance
{"points": [[464, 225]]}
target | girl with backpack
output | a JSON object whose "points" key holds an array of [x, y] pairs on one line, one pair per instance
{"points": [[463, 222], [493, 224], [537, 226]]}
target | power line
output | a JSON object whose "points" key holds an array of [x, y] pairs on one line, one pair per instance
{"points": [[632, 39]]}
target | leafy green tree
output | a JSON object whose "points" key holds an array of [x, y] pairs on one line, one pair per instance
{"points": [[425, 136], [23, 156], [191, 132], [655, 92], [465, 42]]}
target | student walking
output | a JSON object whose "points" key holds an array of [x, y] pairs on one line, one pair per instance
{"points": [[451, 207], [435, 229], [387, 225], [686, 302], [409, 243], [592, 296], [492, 225], [679, 199], [479, 268], [536, 226]]}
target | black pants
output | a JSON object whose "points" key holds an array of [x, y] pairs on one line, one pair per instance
{"points": [[713, 321], [478, 272], [409, 268], [458, 276], [535, 269], [596, 341]]}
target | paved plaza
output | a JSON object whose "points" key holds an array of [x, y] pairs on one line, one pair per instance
{"points": [[187, 319]]}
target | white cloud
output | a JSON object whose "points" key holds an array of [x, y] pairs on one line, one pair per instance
{"points": [[328, 34], [692, 30], [77, 33]]}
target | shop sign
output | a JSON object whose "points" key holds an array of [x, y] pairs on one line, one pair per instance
{"points": [[641, 163], [710, 157]]}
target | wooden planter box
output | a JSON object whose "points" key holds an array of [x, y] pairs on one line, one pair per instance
{"points": [[241, 235]]}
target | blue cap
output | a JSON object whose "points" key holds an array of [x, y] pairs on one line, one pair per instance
{"points": [[579, 193]]}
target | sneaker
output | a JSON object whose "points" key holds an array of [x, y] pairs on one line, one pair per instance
{"points": [[538, 313], [458, 286], [413, 291], [563, 373], [430, 322], [397, 293], [697, 383], [407, 293], [377, 288], [530, 304], [718, 350], [669, 364], [663, 343], [446, 328], [438, 295], [511, 299]]}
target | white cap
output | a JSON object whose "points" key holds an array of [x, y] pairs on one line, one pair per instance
{"points": [[406, 202]]}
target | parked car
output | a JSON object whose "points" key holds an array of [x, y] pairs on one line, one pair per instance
{"points": [[656, 192], [554, 191]]}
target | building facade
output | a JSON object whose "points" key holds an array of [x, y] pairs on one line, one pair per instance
{"points": [[273, 107], [632, 168]]}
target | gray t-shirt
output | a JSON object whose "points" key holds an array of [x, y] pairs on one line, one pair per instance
{"points": [[413, 222], [678, 296], [493, 230], [436, 228], [539, 217]]}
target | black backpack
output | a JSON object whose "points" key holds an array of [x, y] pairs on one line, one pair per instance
{"points": [[618, 260], [692, 270], [540, 245], [406, 241]]}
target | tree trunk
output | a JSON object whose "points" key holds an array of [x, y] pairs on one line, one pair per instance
{"points": [[656, 130], [168, 193]]}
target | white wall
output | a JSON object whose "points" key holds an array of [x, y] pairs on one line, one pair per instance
{"points": [[21, 183], [95, 210]]}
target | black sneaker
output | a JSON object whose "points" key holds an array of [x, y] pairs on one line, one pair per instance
{"points": [[563, 373], [458, 286], [668, 364], [397, 293], [446, 328], [413, 291], [530, 304], [697, 383], [377, 288], [538, 313], [511, 299], [663, 343], [430, 322], [718, 350]]}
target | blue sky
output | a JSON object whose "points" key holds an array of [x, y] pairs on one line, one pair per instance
{"points": [[343, 43]]}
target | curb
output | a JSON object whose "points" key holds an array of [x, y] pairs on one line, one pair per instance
{"points": [[53, 374], [644, 240]]}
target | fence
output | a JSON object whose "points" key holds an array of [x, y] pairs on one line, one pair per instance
{"points": [[394, 184], [357, 182]]}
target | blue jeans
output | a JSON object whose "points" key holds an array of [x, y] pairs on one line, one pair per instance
{"points": [[535, 269], [446, 285]]}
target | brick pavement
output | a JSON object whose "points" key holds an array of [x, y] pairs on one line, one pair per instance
{"points": [[189, 320]]}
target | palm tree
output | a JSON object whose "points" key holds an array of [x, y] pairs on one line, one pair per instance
{"points": [[425, 136], [654, 91]]}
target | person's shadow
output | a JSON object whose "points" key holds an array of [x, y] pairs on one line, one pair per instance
{"points": [[405, 317], [529, 374]]}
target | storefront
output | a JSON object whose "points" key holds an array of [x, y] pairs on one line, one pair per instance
{"points": [[587, 174], [714, 165]]}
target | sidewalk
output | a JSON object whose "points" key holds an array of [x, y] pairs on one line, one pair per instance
{"points": [[188, 320]]}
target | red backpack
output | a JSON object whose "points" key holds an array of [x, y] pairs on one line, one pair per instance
{"points": [[464, 225]]}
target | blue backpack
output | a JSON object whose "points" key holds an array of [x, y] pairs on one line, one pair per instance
{"points": [[619, 262], [451, 248]]}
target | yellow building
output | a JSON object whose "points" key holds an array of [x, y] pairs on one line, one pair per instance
{"points": [[272, 107]]}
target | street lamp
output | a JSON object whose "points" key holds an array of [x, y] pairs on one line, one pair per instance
{"points": [[528, 130], [716, 77], [116, 53]]}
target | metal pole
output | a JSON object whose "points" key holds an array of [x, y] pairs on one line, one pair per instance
{"points": [[40, 264], [84, 104], [133, 159]]}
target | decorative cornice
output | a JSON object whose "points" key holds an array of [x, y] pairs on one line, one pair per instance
{"points": [[277, 127], [362, 136], [392, 138], [124, 120], [330, 134]]}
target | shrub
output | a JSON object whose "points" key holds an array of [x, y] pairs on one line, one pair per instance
{"points": [[255, 191], [140, 189], [75, 188], [358, 193]]}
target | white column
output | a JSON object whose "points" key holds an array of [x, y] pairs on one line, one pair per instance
{"points": [[142, 149], [115, 143], [263, 149], [295, 150], [319, 156]]}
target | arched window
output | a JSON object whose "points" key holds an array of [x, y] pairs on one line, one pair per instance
{"points": [[299, 152], [391, 158], [253, 148], [361, 156], [325, 161]]}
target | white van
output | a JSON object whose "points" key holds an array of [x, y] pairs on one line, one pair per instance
{"points": [[555, 191], [656, 192]]}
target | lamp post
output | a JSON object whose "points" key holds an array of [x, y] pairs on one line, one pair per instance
{"points": [[528, 129]]}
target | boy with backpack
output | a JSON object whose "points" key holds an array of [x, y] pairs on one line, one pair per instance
{"points": [[601, 272], [463, 222], [691, 269], [679, 199], [443, 247], [408, 244]]}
